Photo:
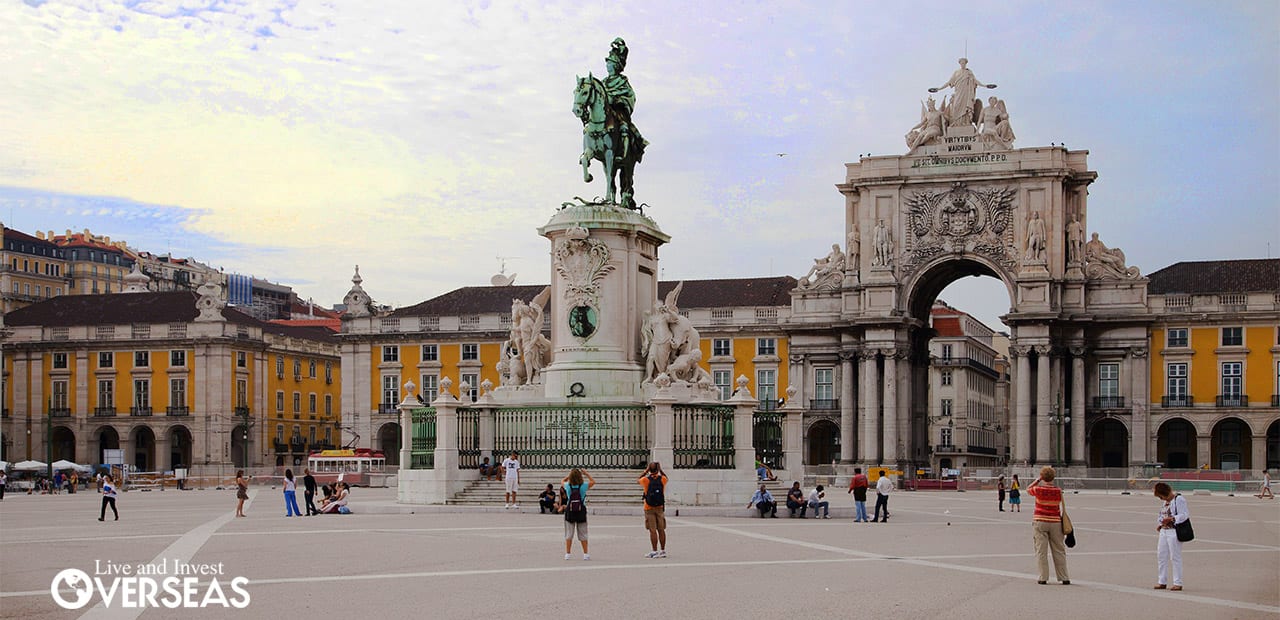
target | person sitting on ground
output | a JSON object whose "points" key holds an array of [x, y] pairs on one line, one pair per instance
{"points": [[795, 500], [547, 501], [339, 499], [764, 472], [818, 501], [490, 471], [327, 491], [763, 501]]}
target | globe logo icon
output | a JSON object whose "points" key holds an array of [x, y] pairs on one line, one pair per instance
{"points": [[75, 580]]}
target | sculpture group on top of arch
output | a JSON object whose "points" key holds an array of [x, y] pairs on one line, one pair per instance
{"points": [[963, 110]]}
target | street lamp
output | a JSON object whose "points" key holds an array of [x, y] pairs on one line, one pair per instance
{"points": [[1059, 419]]}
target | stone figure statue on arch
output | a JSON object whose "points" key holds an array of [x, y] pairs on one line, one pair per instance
{"points": [[824, 269], [1075, 239], [1036, 236], [963, 107], [929, 129], [883, 243]]}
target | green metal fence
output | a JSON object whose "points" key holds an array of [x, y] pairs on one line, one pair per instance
{"points": [[422, 453], [766, 437], [565, 437], [703, 437], [469, 438]]}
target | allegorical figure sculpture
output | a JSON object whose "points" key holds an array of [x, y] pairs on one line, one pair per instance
{"points": [[995, 124], [532, 350], [963, 107], [669, 341], [826, 271], [883, 246], [1102, 262], [855, 247], [1035, 238], [608, 135], [929, 129]]}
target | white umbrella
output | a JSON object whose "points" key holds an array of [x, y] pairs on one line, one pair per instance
{"points": [[30, 466], [65, 465]]}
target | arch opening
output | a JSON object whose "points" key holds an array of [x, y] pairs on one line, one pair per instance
{"points": [[389, 442], [144, 449], [1109, 444], [824, 443], [1176, 444], [179, 447], [62, 445], [1230, 445]]}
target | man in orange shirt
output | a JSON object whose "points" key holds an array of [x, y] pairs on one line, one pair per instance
{"points": [[654, 482]]}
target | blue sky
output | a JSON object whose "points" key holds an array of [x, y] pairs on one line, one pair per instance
{"points": [[293, 140]]}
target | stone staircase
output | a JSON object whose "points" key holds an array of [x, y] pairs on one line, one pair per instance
{"points": [[614, 487]]}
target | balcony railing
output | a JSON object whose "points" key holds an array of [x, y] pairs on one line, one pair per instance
{"points": [[388, 408], [60, 412], [982, 450], [944, 448], [1232, 400], [1108, 402], [824, 404], [767, 405], [177, 411], [4, 413], [1184, 400], [140, 411], [104, 412]]}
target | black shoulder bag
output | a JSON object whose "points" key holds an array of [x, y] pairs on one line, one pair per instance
{"points": [[1183, 530]]}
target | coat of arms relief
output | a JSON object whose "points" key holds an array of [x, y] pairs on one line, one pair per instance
{"points": [[959, 220]]}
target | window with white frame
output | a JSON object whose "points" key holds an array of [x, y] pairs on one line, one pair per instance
{"points": [[297, 368], [721, 347], [430, 353], [944, 436], [1177, 337], [59, 361], [766, 387], [59, 400], [1176, 381], [1232, 377], [297, 402], [390, 389], [328, 372], [141, 359], [242, 359], [280, 366], [178, 358], [106, 359], [311, 403], [824, 386], [311, 435], [142, 393], [328, 405], [474, 382], [946, 351], [280, 401], [106, 394], [279, 433], [723, 380], [945, 407], [430, 388], [1109, 379], [390, 353], [311, 369], [1232, 336], [242, 392], [945, 377], [470, 352], [177, 392], [766, 346]]}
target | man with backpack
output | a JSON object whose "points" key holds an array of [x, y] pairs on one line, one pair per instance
{"points": [[575, 510], [654, 482]]}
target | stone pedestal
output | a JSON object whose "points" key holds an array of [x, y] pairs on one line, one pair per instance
{"points": [[604, 278]]}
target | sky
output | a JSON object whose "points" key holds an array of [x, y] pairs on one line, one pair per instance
{"points": [[426, 141]]}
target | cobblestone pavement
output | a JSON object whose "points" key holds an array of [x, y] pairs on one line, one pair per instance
{"points": [[942, 554]]}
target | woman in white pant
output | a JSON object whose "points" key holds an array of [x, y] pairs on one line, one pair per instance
{"points": [[1169, 548]]}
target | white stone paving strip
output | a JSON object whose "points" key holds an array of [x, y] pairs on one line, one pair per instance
{"points": [[989, 571], [181, 550]]}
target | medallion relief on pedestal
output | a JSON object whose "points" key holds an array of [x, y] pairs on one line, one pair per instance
{"points": [[959, 220], [582, 262]]}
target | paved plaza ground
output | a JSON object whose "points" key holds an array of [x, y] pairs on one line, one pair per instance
{"points": [[381, 563]]}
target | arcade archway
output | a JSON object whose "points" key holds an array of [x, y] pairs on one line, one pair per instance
{"points": [[144, 449], [239, 446], [1230, 445], [1273, 445], [179, 447], [824, 443], [108, 439], [389, 442], [1176, 444], [63, 446], [1109, 444]]}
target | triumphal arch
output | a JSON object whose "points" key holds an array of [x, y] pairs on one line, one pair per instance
{"points": [[965, 201]]}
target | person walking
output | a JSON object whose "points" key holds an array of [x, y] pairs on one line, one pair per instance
{"points": [[309, 492], [1265, 491], [884, 486], [1000, 491], [654, 483], [1015, 496], [1168, 547], [108, 498], [1047, 526], [291, 495], [512, 479], [858, 486], [575, 511], [4, 479], [242, 492]]}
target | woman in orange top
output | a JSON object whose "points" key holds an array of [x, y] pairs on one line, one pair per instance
{"points": [[1047, 524]]}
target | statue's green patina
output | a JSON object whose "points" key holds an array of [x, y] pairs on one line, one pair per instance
{"points": [[608, 135]]}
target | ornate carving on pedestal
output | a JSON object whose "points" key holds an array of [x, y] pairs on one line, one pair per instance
{"points": [[582, 262], [827, 272], [959, 219], [868, 353], [210, 303], [1043, 350], [358, 302], [1138, 352], [1103, 263]]}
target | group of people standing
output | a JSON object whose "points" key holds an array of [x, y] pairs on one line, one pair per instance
{"points": [[571, 501], [858, 486], [334, 500]]}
